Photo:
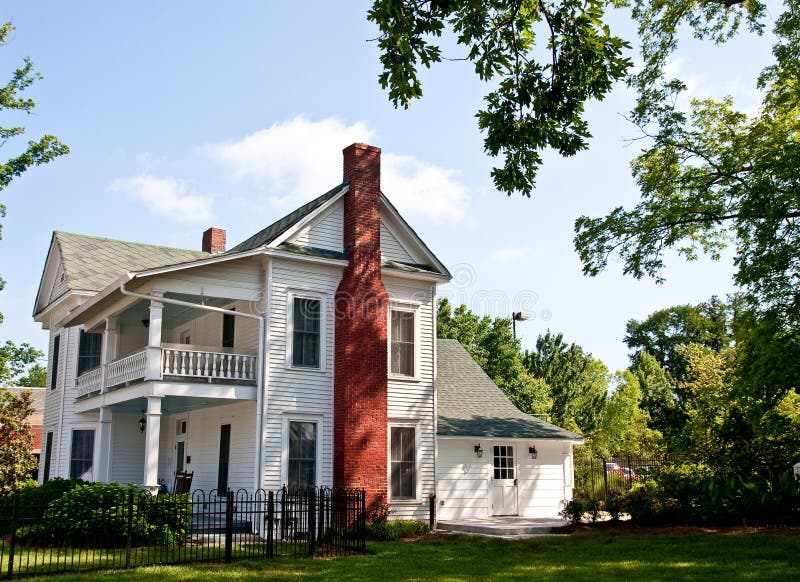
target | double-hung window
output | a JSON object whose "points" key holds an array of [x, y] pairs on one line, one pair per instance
{"points": [[403, 462], [306, 332], [402, 335], [302, 456], [82, 455]]}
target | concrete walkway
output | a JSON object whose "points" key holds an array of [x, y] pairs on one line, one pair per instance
{"points": [[504, 527]]}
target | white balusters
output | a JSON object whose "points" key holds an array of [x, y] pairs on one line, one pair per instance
{"points": [[208, 365]]}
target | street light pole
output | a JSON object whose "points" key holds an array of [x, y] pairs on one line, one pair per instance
{"points": [[518, 316]]}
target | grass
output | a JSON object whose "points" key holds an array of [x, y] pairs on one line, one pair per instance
{"points": [[585, 556]]}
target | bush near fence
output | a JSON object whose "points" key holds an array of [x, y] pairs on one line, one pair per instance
{"points": [[96, 526], [598, 477]]}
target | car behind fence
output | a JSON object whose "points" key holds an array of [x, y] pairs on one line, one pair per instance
{"points": [[128, 528], [598, 477]]}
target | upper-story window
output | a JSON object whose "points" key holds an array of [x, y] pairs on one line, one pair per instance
{"points": [[402, 342], [89, 349], [306, 332]]}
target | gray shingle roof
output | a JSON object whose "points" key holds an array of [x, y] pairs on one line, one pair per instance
{"points": [[92, 263], [277, 228], [471, 405]]}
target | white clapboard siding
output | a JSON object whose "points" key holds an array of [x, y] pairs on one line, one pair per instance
{"points": [[293, 391], [52, 409], [462, 483], [413, 400], [391, 248], [59, 284], [325, 231], [206, 330], [541, 481], [235, 279], [127, 448]]}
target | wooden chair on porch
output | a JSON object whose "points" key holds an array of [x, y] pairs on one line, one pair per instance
{"points": [[183, 482]]}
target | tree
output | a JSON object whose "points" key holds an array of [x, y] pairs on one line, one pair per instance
{"points": [[658, 397], [18, 365], [16, 440], [664, 331], [37, 152], [578, 383], [492, 345], [541, 88], [715, 177]]}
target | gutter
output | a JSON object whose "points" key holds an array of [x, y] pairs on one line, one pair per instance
{"points": [[260, 370]]}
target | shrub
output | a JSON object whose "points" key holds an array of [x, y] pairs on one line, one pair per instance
{"points": [[613, 504], [97, 515], [33, 500], [397, 529], [574, 508]]}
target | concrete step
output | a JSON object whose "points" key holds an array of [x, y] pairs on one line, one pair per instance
{"points": [[503, 526]]}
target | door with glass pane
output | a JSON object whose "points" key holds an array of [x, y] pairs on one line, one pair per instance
{"points": [[504, 481]]}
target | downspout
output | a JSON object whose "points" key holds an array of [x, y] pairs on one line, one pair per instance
{"points": [[261, 354]]}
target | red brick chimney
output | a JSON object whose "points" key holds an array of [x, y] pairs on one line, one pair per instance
{"points": [[361, 352], [214, 240]]}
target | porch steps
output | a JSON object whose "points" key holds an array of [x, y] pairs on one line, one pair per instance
{"points": [[503, 526]]}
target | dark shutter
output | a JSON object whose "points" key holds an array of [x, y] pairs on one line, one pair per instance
{"points": [[48, 452], [54, 366], [224, 458]]}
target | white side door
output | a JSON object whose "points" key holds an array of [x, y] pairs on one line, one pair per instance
{"points": [[504, 480]]}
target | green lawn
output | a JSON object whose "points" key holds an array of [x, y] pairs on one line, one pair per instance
{"points": [[590, 556]]}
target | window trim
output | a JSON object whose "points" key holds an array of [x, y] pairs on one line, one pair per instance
{"points": [[408, 308], [290, 297], [301, 417], [403, 423]]}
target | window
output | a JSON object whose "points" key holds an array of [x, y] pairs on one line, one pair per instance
{"points": [[403, 462], [54, 366], [306, 332], [228, 329], [224, 458], [89, 349], [402, 343], [48, 453], [503, 462], [80, 465], [302, 454]]}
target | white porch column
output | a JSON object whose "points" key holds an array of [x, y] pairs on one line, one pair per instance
{"points": [[102, 453], [151, 440], [153, 370], [109, 347]]}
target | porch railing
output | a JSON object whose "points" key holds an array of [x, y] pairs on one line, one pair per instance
{"points": [[91, 381], [210, 365], [180, 362], [127, 369]]}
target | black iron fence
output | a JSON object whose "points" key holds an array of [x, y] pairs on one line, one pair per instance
{"points": [[598, 477], [137, 529]]}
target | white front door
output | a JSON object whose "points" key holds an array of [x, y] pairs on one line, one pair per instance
{"points": [[504, 481]]}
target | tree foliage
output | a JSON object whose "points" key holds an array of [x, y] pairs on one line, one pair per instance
{"points": [[16, 440], [545, 59], [663, 332], [714, 176], [36, 152], [18, 366]]}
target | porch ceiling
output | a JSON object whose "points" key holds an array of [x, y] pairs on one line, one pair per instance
{"points": [[173, 315], [170, 404]]}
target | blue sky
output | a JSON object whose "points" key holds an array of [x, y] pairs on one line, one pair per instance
{"points": [[182, 115]]}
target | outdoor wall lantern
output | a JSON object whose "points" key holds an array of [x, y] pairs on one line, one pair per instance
{"points": [[532, 451], [478, 451], [142, 423], [146, 322]]}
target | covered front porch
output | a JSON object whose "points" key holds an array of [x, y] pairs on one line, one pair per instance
{"points": [[170, 381]]}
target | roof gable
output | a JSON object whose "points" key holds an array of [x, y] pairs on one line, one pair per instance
{"points": [[470, 404], [90, 263]]}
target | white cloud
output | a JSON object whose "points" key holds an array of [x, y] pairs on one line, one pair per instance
{"points": [[295, 160], [510, 254], [166, 197], [423, 189]]}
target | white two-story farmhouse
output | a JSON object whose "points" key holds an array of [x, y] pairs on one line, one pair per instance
{"points": [[304, 356]]}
